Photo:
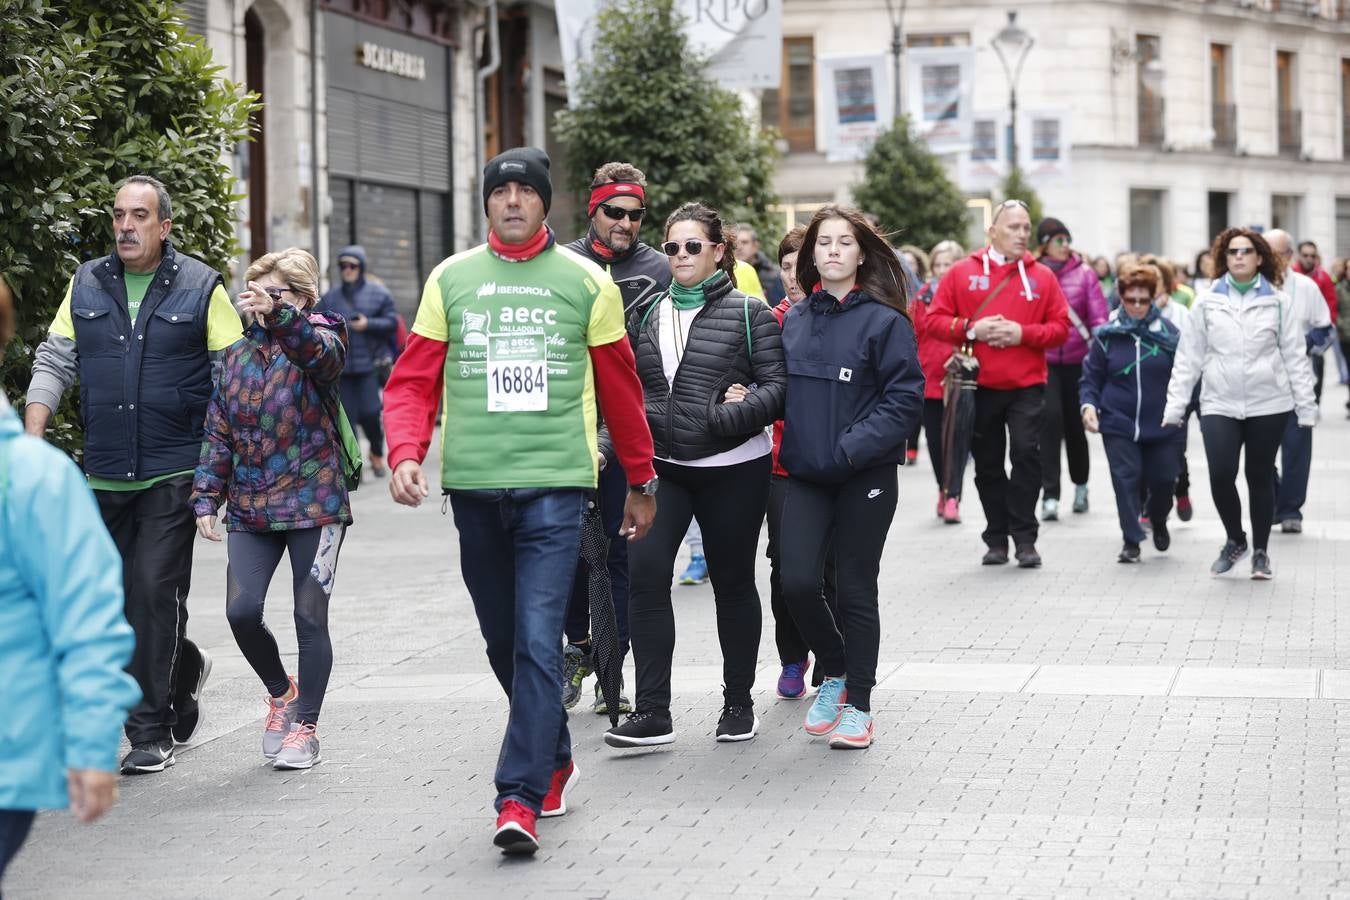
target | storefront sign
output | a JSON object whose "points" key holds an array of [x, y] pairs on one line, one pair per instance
{"points": [[743, 39], [395, 62]]}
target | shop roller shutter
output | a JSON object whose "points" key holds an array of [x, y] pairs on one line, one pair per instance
{"points": [[386, 225]]}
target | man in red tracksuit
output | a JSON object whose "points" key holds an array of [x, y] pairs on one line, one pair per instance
{"points": [[1010, 308]]}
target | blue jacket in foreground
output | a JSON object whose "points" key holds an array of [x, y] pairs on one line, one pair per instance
{"points": [[855, 386], [1125, 378], [63, 638]]}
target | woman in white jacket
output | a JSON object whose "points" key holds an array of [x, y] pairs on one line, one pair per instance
{"points": [[1245, 338]]}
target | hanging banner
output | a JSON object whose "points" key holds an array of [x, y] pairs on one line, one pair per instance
{"points": [[984, 164], [941, 84], [1043, 142], [855, 103], [742, 38]]}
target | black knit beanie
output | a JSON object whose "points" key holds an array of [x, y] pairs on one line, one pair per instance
{"points": [[527, 165], [1049, 228]]}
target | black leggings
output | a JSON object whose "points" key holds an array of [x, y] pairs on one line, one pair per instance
{"points": [[792, 647], [361, 400], [253, 560], [729, 503], [932, 430], [1224, 440], [854, 518], [1062, 421]]}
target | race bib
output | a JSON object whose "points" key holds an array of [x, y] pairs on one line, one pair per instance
{"points": [[517, 372]]}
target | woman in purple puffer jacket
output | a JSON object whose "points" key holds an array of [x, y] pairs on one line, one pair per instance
{"points": [[1061, 422]]}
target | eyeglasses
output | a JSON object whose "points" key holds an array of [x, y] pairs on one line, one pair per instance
{"points": [[1240, 251], [348, 265], [1129, 302], [617, 213], [692, 246], [276, 292]]}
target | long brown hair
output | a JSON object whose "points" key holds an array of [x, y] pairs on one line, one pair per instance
{"points": [[880, 273], [1219, 254], [713, 227]]}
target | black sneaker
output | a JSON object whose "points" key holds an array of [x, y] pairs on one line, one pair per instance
{"points": [[995, 556], [187, 706], [738, 723], [642, 729], [1162, 538], [1129, 554], [1231, 554], [1027, 557], [1261, 566], [152, 756]]}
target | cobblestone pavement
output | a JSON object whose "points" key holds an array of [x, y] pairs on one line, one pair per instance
{"points": [[1085, 730]]}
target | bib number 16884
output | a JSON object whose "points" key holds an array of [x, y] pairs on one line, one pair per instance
{"points": [[517, 379], [517, 373]]}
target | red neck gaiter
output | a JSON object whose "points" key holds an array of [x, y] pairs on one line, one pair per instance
{"points": [[521, 252]]}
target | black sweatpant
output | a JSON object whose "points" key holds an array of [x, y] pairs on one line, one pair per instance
{"points": [[1062, 421], [792, 647], [853, 518], [361, 400], [154, 530], [253, 560], [1009, 503], [1224, 441], [729, 504], [932, 430]]}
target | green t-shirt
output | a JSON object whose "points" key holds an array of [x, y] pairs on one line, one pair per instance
{"points": [[137, 285], [520, 407]]}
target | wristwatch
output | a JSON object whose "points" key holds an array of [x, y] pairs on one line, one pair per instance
{"points": [[970, 333], [646, 488]]}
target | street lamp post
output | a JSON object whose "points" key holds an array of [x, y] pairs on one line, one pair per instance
{"points": [[897, 47], [1012, 44]]}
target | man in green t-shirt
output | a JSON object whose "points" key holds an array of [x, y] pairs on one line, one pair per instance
{"points": [[138, 328]]}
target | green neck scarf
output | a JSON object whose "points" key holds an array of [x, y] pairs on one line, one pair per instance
{"points": [[682, 297], [1242, 286]]}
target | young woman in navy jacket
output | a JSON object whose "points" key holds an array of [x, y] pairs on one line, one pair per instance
{"points": [[855, 390]]}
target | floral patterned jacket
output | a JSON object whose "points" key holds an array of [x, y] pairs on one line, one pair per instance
{"points": [[271, 448]]}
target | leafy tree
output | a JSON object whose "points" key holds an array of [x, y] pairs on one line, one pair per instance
{"points": [[1016, 186], [645, 100], [91, 92], [906, 187]]}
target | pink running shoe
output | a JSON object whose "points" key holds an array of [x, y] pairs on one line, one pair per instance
{"points": [[280, 717], [951, 511]]}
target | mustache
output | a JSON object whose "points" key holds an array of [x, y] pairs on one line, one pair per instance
{"points": [[128, 237]]}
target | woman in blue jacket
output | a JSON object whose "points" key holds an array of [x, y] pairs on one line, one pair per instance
{"points": [[855, 390], [1122, 394], [63, 638]]}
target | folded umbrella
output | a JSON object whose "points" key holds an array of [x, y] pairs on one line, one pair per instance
{"points": [[958, 419]]}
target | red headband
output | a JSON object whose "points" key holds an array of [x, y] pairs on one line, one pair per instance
{"points": [[614, 189]]}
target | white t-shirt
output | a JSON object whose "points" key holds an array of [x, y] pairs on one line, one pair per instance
{"points": [[673, 326]]}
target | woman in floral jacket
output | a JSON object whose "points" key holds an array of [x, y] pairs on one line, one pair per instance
{"points": [[272, 451]]}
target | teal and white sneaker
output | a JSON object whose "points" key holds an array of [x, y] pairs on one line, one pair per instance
{"points": [[827, 708], [697, 570], [854, 731]]}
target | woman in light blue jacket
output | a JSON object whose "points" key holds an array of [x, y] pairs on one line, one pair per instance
{"points": [[63, 639]]}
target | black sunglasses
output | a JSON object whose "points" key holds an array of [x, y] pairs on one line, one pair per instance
{"points": [[276, 292], [618, 212], [349, 265], [692, 246]]}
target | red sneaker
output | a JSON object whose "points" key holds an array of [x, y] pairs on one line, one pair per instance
{"points": [[911, 454], [951, 511], [515, 829], [1184, 509], [555, 801]]}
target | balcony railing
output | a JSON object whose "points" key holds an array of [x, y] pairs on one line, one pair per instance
{"points": [[1150, 121], [1223, 117], [1291, 132]]}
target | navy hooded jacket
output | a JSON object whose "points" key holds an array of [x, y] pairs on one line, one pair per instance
{"points": [[1125, 376], [365, 298], [855, 386]]}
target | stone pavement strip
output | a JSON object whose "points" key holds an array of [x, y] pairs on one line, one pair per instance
{"points": [[1085, 730]]}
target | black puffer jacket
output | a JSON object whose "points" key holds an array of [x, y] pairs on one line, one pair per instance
{"points": [[688, 419]]}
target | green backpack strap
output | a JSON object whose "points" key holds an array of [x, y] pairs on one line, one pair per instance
{"points": [[749, 341]]}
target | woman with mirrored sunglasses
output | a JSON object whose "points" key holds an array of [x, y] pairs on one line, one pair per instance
{"points": [[1244, 344], [711, 363], [272, 452]]}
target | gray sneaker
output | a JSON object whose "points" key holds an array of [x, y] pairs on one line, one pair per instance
{"points": [[576, 666], [300, 750], [601, 708], [280, 718]]}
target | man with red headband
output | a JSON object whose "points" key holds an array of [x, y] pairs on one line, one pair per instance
{"points": [[616, 209]]}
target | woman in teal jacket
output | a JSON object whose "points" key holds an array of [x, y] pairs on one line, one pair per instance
{"points": [[63, 638]]}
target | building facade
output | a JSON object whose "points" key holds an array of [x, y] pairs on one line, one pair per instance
{"points": [[1183, 116], [378, 136]]}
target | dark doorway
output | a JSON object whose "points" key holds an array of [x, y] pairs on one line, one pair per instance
{"points": [[254, 65], [1220, 204]]}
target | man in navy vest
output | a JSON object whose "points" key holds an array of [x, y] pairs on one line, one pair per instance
{"points": [[138, 329]]}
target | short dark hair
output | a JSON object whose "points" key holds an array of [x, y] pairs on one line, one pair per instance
{"points": [[1303, 244], [791, 242], [611, 172], [1269, 267], [1145, 276], [161, 193]]}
